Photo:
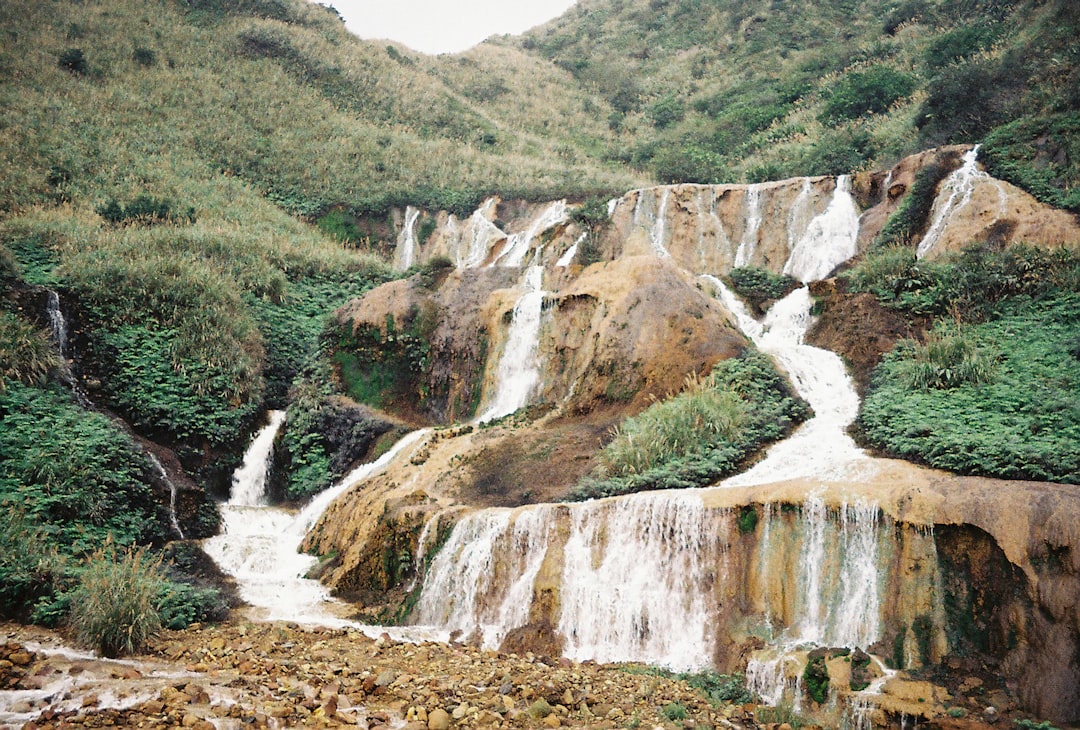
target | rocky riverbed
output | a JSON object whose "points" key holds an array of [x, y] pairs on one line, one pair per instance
{"points": [[242, 674]]}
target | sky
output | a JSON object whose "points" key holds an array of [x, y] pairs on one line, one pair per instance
{"points": [[444, 26]]}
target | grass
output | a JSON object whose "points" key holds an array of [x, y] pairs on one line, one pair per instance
{"points": [[700, 435]]}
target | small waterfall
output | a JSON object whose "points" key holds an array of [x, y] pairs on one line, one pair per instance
{"points": [[748, 243], [57, 323], [164, 477], [829, 240], [259, 547], [800, 209], [517, 246], [659, 228], [406, 243], [954, 196], [568, 257], [249, 479], [482, 235], [820, 447], [638, 579], [481, 582], [518, 371]]}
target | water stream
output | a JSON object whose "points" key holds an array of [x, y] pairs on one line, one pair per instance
{"points": [[954, 196]]}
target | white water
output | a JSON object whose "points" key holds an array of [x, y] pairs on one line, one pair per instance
{"points": [[748, 243], [829, 240], [637, 579], [57, 323], [568, 257], [406, 243], [249, 479], [821, 447], [259, 545], [656, 222], [518, 244], [518, 371], [164, 476], [954, 196], [483, 234]]}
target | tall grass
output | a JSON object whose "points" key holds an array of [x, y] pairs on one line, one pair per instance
{"points": [[702, 413], [114, 609], [950, 357], [27, 353]]}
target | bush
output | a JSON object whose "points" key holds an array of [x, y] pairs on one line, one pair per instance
{"points": [[29, 564], [27, 354], [114, 608], [145, 210], [816, 679], [948, 359], [73, 61], [913, 213], [758, 286], [859, 93]]}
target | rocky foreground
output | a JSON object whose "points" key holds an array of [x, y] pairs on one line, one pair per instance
{"points": [[277, 675]]}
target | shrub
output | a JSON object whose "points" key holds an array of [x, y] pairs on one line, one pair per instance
{"points": [[145, 210], [674, 711], [27, 354], [73, 61], [859, 93], [911, 216], [114, 608], [949, 358], [758, 286], [816, 679], [144, 56], [29, 564]]}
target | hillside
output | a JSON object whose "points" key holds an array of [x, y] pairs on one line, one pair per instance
{"points": [[760, 90]]}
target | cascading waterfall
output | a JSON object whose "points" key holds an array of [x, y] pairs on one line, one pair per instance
{"points": [[800, 209], [820, 447], [829, 240], [518, 244], [637, 579], [568, 257], [748, 243], [259, 545], [954, 195], [406, 243], [483, 234], [658, 232], [518, 371]]}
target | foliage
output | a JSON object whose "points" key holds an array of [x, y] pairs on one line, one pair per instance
{"points": [[816, 679], [747, 520], [27, 354], [79, 478], [1026, 724], [859, 93], [949, 358], [758, 286], [700, 435], [1024, 424], [145, 210], [674, 711], [181, 604], [1040, 155], [913, 213], [114, 608], [29, 564], [73, 61], [719, 688]]}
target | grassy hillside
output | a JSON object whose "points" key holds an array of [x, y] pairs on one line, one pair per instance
{"points": [[762, 89]]}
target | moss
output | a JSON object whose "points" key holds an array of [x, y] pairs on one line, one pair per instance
{"points": [[816, 679], [747, 520]]}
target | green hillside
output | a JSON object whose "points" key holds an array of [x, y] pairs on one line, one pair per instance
{"points": [[763, 89]]}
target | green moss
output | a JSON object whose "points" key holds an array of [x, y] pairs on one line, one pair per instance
{"points": [[816, 680], [748, 519]]}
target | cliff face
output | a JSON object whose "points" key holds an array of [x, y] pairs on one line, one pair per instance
{"points": [[910, 564]]}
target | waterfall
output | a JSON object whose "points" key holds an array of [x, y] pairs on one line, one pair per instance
{"points": [[481, 582], [164, 477], [954, 195], [406, 243], [657, 234], [637, 581], [518, 371], [518, 244], [820, 447], [249, 479], [57, 323], [799, 210], [748, 243], [829, 240], [482, 234], [568, 257], [259, 546]]}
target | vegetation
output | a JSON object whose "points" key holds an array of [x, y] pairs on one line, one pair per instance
{"points": [[758, 286], [993, 389], [700, 435], [816, 679]]}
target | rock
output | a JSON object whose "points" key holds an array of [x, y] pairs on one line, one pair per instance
{"points": [[438, 719], [552, 720], [991, 714], [385, 678], [20, 658], [487, 717]]}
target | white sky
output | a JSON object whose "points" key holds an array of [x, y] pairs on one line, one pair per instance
{"points": [[444, 26]]}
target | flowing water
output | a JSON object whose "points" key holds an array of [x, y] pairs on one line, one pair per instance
{"points": [[829, 240], [954, 196], [57, 323], [518, 371], [744, 255], [406, 243], [164, 477], [519, 244], [259, 544]]}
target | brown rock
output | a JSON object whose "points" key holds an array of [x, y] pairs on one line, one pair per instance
{"points": [[438, 719]]}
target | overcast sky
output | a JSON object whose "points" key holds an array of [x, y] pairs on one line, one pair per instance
{"points": [[444, 26]]}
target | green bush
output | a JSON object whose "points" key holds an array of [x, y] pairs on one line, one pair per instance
{"points": [[1040, 155], [758, 286], [912, 215], [114, 608], [145, 210], [859, 93], [29, 564], [949, 358], [674, 711], [816, 679], [73, 61], [27, 354], [79, 478]]}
